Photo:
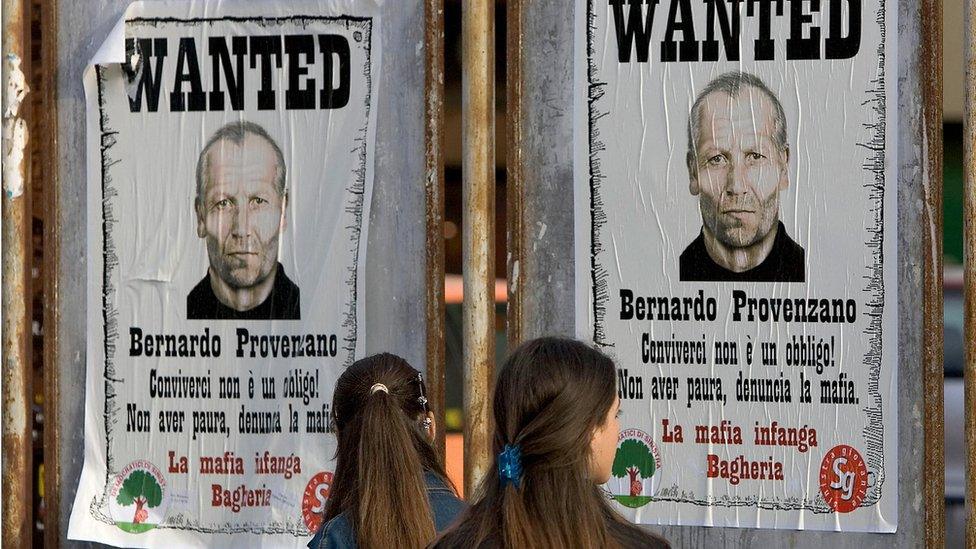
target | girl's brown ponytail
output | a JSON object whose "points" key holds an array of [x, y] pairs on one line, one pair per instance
{"points": [[392, 493], [383, 450]]}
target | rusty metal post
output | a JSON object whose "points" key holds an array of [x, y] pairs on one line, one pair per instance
{"points": [[434, 184], [932, 320], [514, 179], [478, 198], [16, 366], [969, 256], [48, 147]]}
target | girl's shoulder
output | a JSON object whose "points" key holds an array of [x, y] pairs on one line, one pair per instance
{"points": [[445, 507], [444, 503], [335, 534]]}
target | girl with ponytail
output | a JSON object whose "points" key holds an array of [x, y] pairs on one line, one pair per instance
{"points": [[389, 489], [556, 430]]}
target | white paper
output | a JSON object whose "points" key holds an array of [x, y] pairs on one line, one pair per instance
{"points": [[150, 247], [639, 208]]}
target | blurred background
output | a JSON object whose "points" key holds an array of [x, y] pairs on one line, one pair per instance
{"points": [[954, 92]]}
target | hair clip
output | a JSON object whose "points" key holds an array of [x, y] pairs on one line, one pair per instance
{"points": [[378, 387], [422, 399], [510, 465]]}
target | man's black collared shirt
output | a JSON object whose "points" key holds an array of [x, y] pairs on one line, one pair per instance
{"points": [[282, 303], [785, 263]]}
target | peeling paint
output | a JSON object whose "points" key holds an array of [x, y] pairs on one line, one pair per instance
{"points": [[515, 276], [14, 127]]}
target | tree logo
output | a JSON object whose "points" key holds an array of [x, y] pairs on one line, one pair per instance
{"points": [[636, 462], [137, 497]]}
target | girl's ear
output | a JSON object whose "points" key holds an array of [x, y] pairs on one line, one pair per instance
{"points": [[432, 430]]}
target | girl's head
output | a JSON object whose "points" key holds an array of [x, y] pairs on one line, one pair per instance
{"points": [[402, 386], [556, 399], [384, 430], [555, 409]]}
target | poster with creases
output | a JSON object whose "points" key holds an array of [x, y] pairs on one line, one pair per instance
{"points": [[735, 208], [230, 151]]}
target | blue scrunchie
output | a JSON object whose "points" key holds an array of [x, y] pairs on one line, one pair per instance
{"points": [[510, 465]]}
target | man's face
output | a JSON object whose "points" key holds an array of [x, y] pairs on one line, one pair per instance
{"points": [[739, 169], [242, 212]]}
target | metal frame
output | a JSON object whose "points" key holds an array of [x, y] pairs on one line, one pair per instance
{"points": [[930, 61]]}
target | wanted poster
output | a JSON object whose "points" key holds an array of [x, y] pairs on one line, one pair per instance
{"points": [[230, 165], [735, 206]]}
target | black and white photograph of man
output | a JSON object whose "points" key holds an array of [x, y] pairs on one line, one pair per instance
{"points": [[738, 166], [240, 207]]}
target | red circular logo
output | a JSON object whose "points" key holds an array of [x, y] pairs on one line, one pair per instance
{"points": [[313, 501], [843, 478]]}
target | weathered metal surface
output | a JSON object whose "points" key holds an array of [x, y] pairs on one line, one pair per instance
{"points": [[969, 255], [16, 366], [930, 70], [52, 238], [434, 185], [478, 199], [396, 274], [514, 178], [75, 45], [540, 167], [543, 112]]}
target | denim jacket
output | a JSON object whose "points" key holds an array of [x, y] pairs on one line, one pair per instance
{"points": [[339, 534]]}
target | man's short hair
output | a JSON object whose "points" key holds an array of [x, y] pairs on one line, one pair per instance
{"points": [[731, 83], [236, 132]]}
